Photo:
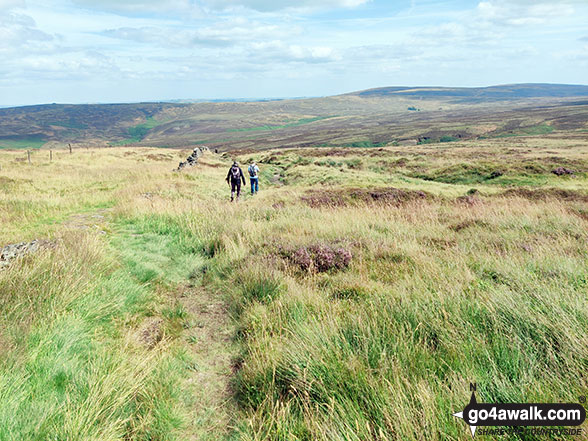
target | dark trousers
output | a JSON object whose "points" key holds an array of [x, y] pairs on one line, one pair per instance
{"points": [[254, 185], [235, 186]]}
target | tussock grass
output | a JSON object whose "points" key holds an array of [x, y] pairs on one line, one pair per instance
{"points": [[68, 372], [438, 292]]}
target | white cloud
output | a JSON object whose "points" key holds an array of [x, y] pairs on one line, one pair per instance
{"points": [[276, 5], [249, 45], [381, 53], [522, 12], [71, 64], [19, 30], [280, 52], [198, 7], [63, 66], [10, 4], [222, 34], [141, 7], [168, 37]]}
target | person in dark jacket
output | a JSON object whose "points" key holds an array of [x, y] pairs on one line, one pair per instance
{"points": [[234, 178]]}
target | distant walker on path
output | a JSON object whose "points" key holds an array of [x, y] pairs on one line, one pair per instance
{"points": [[234, 178], [254, 177]]}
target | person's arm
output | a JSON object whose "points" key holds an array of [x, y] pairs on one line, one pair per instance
{"points": [[228, 175], [243, 177]]}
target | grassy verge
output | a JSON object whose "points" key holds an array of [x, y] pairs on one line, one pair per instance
{"points": [[75, 371], [92, 341]]}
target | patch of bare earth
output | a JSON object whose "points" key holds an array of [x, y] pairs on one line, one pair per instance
{"points": [[96, 221], [207, 392], [151, 332]]}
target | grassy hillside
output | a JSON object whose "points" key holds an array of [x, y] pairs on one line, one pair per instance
{"points": [[478, 94], [356, 297], [384, 116]]}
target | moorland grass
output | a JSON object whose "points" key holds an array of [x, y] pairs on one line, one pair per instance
{"points": [[22, 143], [296, 123], [440, 292]]}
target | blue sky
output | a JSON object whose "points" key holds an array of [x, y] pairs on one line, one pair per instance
{"points": [[81, 51]]}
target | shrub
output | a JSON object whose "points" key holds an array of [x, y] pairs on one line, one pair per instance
{"points": [[321, 258], [354, 163], [302, 258], [448, 138]]}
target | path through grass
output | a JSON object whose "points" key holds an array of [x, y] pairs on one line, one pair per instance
{"points": [[354, 298]]}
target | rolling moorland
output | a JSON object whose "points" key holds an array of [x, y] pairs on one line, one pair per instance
{"points": [[354, 298], [369, 118]]}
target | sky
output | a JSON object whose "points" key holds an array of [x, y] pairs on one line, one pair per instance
{"points": [[87, 51]]}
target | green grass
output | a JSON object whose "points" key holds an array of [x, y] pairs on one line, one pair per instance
{"points": [[25, 143], [345, 366], [124, 142], [69, 124], [444, 138], [367, 144], [541, 129], [74, 380], [75, 377], [356, 144], [155, 252], [137, 133], [439, 292]]}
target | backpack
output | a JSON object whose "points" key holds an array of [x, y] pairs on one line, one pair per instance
{"points": [[235, 173], [252, 171]]}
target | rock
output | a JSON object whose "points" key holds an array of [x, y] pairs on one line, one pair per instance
{"points": [[14, 251], [193, 158]]}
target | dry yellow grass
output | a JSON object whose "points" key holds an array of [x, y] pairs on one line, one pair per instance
{"points": [[440, 291]]}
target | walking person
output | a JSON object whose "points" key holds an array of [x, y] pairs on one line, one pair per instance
{"points": [[234, 178], [254, 177]]}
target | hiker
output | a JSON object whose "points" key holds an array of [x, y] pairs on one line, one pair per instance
{"points": [[235, 176], [254, 177]]}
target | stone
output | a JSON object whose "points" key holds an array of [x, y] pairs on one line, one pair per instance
{"points": [[193, 158], [11, 252]]}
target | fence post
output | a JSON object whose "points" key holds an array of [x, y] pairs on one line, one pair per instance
{"points": [[29, 155], [69, 148]]}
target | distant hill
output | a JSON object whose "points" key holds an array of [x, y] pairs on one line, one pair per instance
{"points": [[492, 93], [368, 118]]}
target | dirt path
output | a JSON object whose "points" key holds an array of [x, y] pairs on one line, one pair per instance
{"points": [[207, 391]]}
